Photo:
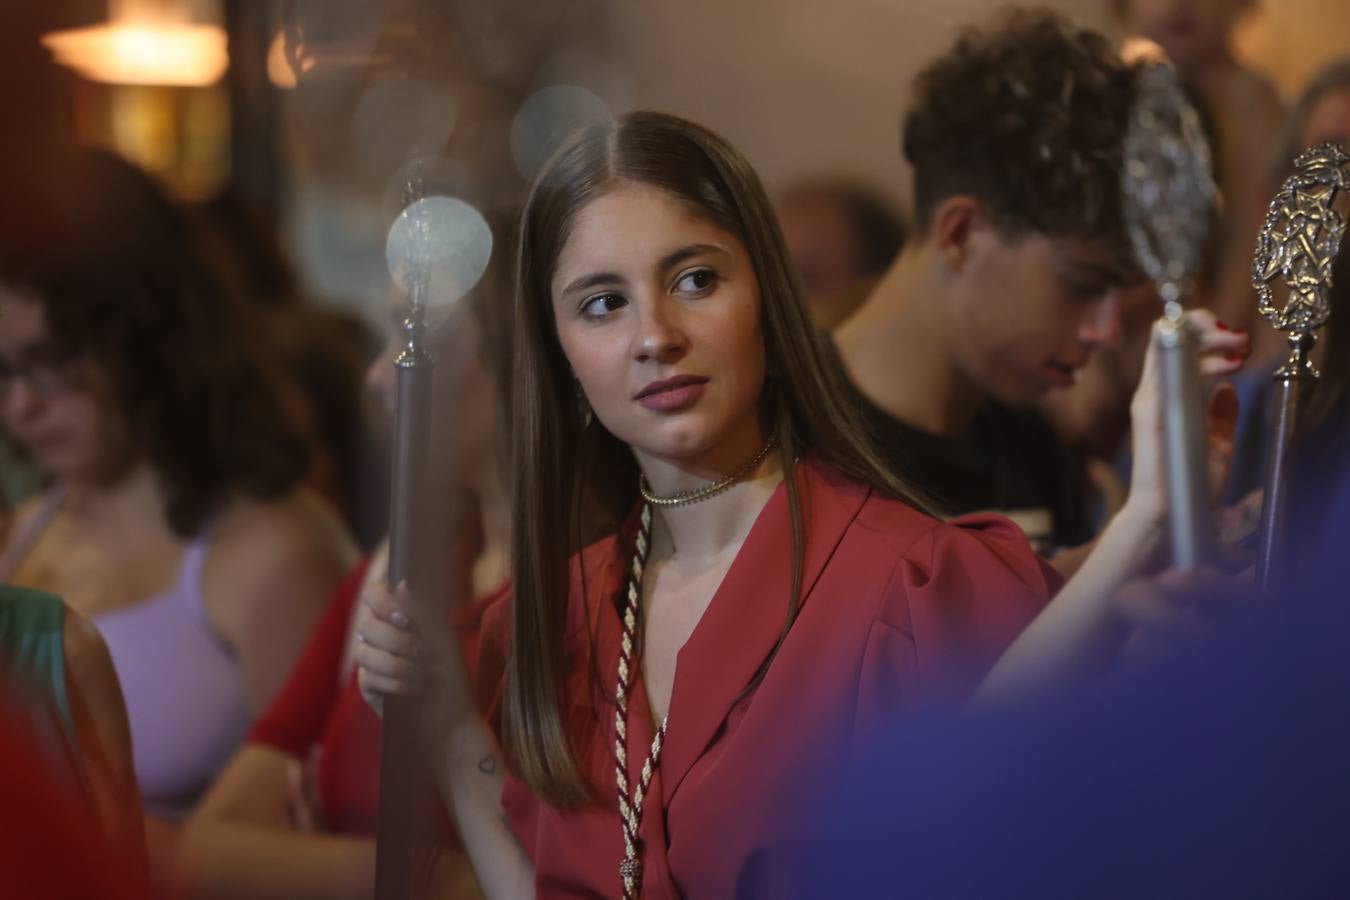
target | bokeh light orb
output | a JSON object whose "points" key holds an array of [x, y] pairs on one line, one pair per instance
{"points": [[547, 118], [444, 240]]}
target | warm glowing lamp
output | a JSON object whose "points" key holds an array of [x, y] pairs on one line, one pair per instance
{"points": [[145, 45]]}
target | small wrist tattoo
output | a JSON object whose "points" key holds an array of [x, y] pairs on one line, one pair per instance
{"points": [[488, 765]]}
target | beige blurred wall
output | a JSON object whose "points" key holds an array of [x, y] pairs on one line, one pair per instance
{"points": [[1292, 39], [808, 85], [800, 86]]}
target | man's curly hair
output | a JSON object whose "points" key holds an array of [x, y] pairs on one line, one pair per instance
{"points": [[1028, 114]]}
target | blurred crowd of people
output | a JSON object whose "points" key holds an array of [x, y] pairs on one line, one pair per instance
{"points": [[195, 623]]}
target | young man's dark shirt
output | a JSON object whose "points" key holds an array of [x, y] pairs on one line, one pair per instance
{"points": [[1009, 461]]}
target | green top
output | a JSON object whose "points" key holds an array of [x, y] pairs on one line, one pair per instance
{"points": [[19, 479], [33, 663]]}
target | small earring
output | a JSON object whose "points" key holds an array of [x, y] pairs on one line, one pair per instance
{"points": [[584, 407]]}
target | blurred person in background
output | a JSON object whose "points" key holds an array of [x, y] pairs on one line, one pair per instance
{"points": [[19, 479], [842, 236], [58, 679], [1092, 416], [323, 350], [51, 848], [1321, 115], [294, 813], [1245, 117], [174, 519], [1013, 276]]}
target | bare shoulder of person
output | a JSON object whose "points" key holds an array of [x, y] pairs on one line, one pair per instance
{"points": [[96, 699], [256, 543], [87, 658], [298, 522]]}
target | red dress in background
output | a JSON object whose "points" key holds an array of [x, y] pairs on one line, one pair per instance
{"points": [[51, 844], [900, 611], [320, 706]]}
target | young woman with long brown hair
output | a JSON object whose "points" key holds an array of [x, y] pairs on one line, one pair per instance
{"points": [[771, 592]]}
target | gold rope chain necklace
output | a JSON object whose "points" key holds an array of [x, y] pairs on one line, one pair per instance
{"points": [[694, 495]]}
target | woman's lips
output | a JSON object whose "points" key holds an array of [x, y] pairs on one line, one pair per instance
{"points": [[672, 394]]}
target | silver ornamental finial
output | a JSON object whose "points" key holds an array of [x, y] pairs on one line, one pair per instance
{"points": [[438, 247], [1299, 241], [1170, 196], [1298, 244], [415, 266], [1169, 201], [418, 265]]}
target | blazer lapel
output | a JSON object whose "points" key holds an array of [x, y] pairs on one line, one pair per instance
{"points": [[747, 614]]}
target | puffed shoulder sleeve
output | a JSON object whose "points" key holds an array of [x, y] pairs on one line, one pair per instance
{"points": [[957, 599]]}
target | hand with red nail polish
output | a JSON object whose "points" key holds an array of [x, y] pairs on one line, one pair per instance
{"points": [[1220, 349]]}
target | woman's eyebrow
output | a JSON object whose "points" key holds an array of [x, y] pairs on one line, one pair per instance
{"points": [[675, 257], [585, 282]]}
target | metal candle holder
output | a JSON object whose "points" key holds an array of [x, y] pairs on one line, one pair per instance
{"points": [[1170, 200], [1298, 244]]}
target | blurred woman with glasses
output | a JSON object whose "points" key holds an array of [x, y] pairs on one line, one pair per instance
{"points": [[173, 517]]}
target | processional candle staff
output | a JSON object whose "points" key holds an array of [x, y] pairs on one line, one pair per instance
{"points": [[1170, 201], [438, 249], [1298, 244]]}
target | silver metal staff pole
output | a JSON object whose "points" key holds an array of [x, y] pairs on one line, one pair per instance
{"points": [[438, 250], [404, 848], [1170, 199], [1298, 244]]}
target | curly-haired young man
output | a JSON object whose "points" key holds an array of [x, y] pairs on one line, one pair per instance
{"points": [[1010, 281]]}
